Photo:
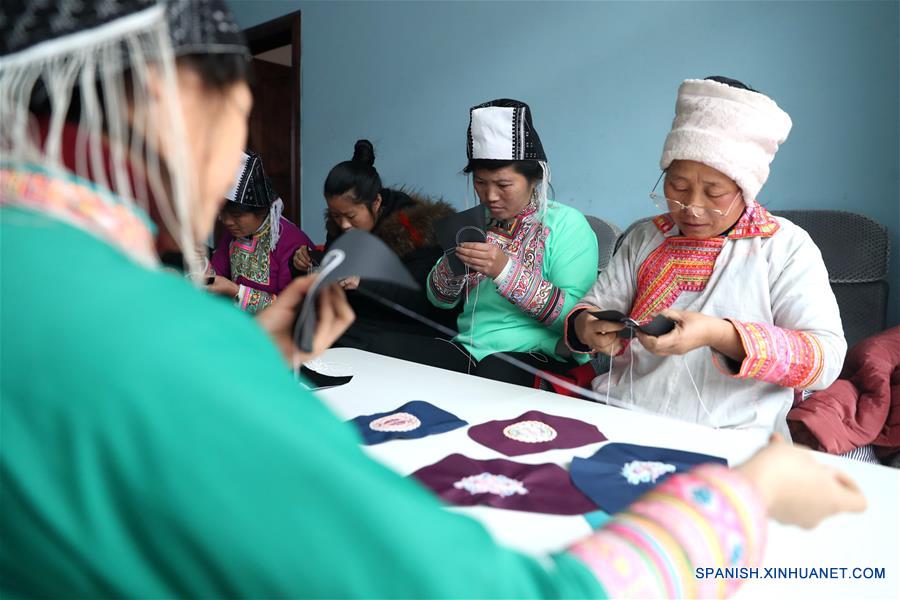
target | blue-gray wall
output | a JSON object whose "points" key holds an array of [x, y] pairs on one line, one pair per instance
{"points": [[601, 79]]}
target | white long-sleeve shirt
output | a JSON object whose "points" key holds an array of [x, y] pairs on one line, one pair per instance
{"points": [[767, 277]]}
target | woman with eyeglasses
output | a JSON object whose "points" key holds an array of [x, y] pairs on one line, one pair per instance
{"points": [[754, 315]]}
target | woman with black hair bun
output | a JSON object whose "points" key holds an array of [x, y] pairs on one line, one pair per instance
{"points": [[404, 221]]}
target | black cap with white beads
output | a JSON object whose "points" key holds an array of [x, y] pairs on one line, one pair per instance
{"points": [[502, 130]]}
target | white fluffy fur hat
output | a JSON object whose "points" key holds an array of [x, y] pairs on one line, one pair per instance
{"points": [[732, 130]]}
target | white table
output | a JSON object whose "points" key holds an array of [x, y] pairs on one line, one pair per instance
{"points": [[871, 539]]}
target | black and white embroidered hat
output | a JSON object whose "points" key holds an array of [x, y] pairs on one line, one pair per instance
{"points": [[503, 130], [195, 26], [251, 187], [204, 27]]}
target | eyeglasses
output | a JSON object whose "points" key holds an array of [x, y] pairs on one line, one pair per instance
{"points": [[664, 203]]}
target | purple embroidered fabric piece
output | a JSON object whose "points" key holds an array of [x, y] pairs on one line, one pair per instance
{"points": [[503, 483], [533, 432]]}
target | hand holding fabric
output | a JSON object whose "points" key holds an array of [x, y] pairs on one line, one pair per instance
{"points": [[599, 335], [302, 260], [693, 330], [223, 286], [488, 259], [334, 317], [349, 283]]}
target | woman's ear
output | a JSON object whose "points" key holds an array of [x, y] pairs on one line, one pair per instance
{"points": [[376, 204]]}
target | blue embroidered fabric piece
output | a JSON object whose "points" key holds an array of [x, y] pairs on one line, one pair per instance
{"points": [[413, 420], [618, 474]]}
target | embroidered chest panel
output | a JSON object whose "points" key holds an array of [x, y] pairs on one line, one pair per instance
{"points": [[250, 258], [678, 265]]}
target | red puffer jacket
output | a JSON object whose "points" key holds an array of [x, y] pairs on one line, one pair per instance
{"points": [[861, 407]]}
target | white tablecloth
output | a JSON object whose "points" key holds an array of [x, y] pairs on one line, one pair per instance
{"points": [[871, 539]]}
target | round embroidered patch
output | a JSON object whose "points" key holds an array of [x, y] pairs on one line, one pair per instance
{"points": [[488, 483], [400, 421], [637, 472], [530, 432]]}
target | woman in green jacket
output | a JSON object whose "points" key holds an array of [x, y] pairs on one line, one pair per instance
{"points": [[537, 259]]}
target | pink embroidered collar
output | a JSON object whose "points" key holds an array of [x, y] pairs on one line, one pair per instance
{"points": [[755, 222], [81, 204]]}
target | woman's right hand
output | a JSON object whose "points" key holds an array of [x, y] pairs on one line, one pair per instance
{"points": [[796, 488], [302, 260], [599, 335]]}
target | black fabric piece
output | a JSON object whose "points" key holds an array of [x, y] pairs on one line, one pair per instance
{"points": [[374, 318], [355, 254], [441, 353], [459, 228], [25, 24], [526, 143]]}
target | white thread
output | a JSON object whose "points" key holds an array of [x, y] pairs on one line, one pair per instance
{"points": [[458, 349], [691, 377], [557, 381], [631, 371]]}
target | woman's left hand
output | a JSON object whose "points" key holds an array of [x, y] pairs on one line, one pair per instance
{"points": [[484, 258], [692, 330], [223, 286]]}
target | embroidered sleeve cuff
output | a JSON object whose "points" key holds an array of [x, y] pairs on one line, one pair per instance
{"points": [[252, 300], [781, 356], [444, 284], [535, 296], [708, 518], [501, 277]]}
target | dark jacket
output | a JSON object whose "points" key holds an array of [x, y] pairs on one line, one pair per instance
{"points": [[406, 226]]}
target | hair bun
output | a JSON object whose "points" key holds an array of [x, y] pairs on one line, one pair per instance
{"points": [[364, 153]]}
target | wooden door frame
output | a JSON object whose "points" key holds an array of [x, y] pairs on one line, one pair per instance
{"points": [[285, 31]]}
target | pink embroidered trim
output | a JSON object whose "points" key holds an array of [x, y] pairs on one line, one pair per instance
{"points": [[679, 264], [755, 222], [71, 202], [782, 356], [252, 300], [710, 517]]}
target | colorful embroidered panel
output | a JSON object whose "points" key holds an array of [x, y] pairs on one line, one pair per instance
{"points": [[252, 300], [535, 431], [413, 420], [709, 517], [617, 474], [250, 258], [84, 205], [524, 285], [679, 264], [502, 483], [445, 285], [782, 356]]}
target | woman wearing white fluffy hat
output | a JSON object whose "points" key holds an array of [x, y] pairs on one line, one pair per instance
{"points": [[754, 314]]}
